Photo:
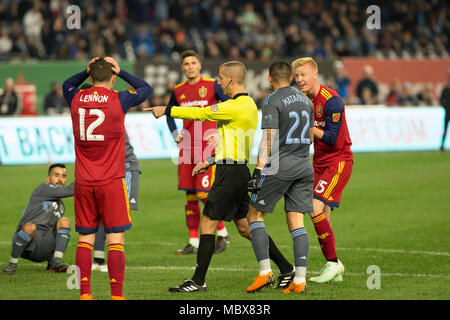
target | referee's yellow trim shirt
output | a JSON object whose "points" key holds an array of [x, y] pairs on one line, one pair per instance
{"points": [[237, 120]]}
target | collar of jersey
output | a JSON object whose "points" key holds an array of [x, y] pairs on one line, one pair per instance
{"points": [[240, 94]]}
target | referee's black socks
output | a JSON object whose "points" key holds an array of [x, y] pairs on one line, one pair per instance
{"points": [[204, 255]]}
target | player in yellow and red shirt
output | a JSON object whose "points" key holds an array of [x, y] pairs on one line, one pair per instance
{"points": [[193, 142], [332, 161]]}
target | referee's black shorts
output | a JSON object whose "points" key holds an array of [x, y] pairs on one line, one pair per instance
{"points": [[228, 198]]}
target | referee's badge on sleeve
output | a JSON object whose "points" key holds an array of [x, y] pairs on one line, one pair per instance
{"points": [[214, 107]]}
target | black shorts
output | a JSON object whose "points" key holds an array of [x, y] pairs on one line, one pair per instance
{"points": [[228, 198]]}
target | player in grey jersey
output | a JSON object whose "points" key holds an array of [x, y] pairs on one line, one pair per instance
{"points": [[43, 232], [283, 169]]}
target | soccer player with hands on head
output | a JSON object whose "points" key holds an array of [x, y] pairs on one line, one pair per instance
{"points": [[98, 115]]}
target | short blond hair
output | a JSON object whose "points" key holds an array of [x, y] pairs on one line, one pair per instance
{"points": [[236, 69], [302, 61]]}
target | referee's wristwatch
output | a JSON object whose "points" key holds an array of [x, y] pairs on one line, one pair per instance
{"points": [[211, 160]]}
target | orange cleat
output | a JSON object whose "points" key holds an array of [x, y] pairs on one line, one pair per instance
{"points": [[117, 298], [86, 296], [260, 282], [295, 288]]}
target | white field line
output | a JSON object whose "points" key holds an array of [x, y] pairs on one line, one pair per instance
{"points": [[221, 269], [384, 250]]}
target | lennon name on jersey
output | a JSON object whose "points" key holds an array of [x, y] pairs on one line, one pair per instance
{"points": [[294, 98], [195, 103], [94, 98]]}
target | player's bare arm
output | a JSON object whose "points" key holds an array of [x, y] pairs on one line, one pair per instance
{"points": [[265, 147], [264, 151]]}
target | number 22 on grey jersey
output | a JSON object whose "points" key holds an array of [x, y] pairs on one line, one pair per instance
{"points": [[292, 113]]}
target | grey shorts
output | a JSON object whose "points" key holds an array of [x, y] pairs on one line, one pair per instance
{"points": [[41, 247], [298, 194]]}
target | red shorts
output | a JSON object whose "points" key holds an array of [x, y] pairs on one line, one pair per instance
{"points": [[197, 183], [108, 202], [188, 158], [329, 182]]}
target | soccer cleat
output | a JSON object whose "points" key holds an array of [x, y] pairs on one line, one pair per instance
{"points": [[260, 282], [284, 278], [189, 249], [189, 286], [295, 288], [329, 272], [118, 298], [86, 296], [56, 266], [338, 278], [10, 269], [221, 243]]}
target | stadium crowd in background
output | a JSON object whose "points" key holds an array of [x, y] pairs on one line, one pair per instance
{"points": [[159, 30], [256, 30]]}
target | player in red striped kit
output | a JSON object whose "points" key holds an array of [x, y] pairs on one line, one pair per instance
{"points": [[98, 115], [332, 161], [192, 140]]}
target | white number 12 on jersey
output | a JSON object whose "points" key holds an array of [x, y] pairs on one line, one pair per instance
{"points": [[88, 134]]}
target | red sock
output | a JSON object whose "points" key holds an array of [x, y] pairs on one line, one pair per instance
{"points": [[83, 259], [116, 268], [193, 218], [326, 236]]}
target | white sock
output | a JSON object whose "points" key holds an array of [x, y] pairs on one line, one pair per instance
{"points": [[194, 241], [264, 267], [300, 275], [58, 254], [99, 254], [223, 232]]}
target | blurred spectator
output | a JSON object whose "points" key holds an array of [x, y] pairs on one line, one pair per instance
{"points": [[445, 102], [10, 103], [54, 102], [367, 88], [395, 95], [33, 22], [426, 96], [410, 98], [341, 80]]}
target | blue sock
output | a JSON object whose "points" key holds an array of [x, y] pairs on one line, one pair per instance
{"points": [[20, 241]]}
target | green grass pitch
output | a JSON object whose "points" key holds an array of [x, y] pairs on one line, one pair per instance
{"points": [[394, 214]]}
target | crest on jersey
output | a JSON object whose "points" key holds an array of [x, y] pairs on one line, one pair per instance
{"points": [[336, 116], [182, 96], [319, 111], [202, 91]]}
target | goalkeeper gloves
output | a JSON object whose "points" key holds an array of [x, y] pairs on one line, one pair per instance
{"points": [[254, 181]]}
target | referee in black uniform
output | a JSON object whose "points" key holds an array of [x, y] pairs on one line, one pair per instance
{"points": [[237, 120]]}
